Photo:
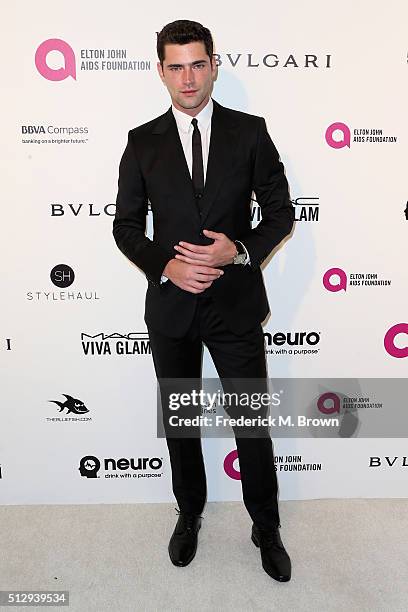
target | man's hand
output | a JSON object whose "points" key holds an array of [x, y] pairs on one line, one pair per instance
{"points": [[220, 253], [192, 278]]}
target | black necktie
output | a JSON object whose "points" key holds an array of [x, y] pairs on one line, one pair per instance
{"points": [[198, 171]]}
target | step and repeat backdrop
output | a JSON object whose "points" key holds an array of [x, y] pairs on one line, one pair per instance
{"points": [[78, 400]]}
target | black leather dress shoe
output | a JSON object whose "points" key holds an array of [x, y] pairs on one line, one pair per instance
{"points": [[275, 559], [183, 542]]}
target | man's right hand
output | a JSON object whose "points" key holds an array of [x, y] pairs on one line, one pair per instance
{"points": [[190, 277]]}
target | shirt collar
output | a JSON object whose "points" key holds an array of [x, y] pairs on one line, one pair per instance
{"points": [[203, 117]]}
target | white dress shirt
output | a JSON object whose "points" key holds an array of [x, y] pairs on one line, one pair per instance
{"points": [[185, 130]]}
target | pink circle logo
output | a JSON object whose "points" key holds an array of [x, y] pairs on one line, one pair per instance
{"points": [[328, 397], [327, 280], [389, 338], [55, 74], [229, 465], [345, 139]]}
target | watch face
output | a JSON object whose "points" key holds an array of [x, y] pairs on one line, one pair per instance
{"points": [[239, 259]]}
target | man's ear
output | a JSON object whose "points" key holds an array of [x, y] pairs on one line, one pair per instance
{"points": [[160, 71], [214, 67]]}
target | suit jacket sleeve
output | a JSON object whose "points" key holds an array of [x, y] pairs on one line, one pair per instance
{"points": [[272, 194], [129, 225]]}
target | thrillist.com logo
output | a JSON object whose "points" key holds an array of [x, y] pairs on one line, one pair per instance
{"points": [[338, 135], [72, 406], [390, 337], [90, 60], [336, 279]]}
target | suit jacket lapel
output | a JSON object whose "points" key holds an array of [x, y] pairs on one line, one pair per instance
{"points": [[170, 149], [222, 146]]}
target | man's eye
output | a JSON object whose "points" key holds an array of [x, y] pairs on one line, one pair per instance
{"points": [[199, 66]]}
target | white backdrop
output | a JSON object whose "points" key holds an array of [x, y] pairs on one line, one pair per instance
{"points": [[66, 288]]}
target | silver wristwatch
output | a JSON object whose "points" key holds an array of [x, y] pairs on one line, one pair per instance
{"points": [[241, 255]]}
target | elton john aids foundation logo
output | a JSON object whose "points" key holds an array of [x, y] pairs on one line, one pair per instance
{"points": [[338, 283], [328, 403], [389, 341], [336, 279], [55, 74], [338, 135], [229, 468]]}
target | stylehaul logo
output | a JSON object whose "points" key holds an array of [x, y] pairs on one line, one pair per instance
{"points": [[338, 135], [142, 467], [91, 59], [62, 276], [389, 341], [336, 279]]}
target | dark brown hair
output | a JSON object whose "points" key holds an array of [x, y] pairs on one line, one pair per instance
{"points": [[182, 32]]}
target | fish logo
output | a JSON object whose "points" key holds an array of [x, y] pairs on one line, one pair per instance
{"points": [[75, 406]]}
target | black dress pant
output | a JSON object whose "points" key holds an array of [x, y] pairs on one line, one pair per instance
{"points": [[234, 357]]}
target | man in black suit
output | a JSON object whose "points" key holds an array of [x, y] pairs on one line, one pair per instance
{"points": [[198, 165]]}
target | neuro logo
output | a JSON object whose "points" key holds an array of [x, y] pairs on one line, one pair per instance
{"points": [[338, 286], [328, 403], [73, 406], [338, 135], [62, 275], [229, 465], [55, 74], [89, 466], [389, 340]]}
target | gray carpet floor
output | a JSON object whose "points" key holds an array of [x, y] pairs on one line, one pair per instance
{"points": [[346, 555]]}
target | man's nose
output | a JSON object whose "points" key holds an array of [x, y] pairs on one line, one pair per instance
{"points": [[188, 75]]}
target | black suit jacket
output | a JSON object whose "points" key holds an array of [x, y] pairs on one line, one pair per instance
{"points": [[242, 158]]}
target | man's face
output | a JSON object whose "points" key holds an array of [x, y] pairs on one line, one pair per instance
{"points": [[188, 75]]}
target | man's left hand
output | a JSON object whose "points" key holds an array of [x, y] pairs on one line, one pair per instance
{"points": [[220, 253]]}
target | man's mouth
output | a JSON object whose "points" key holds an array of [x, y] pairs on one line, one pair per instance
{"points": [[189, 92]]}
